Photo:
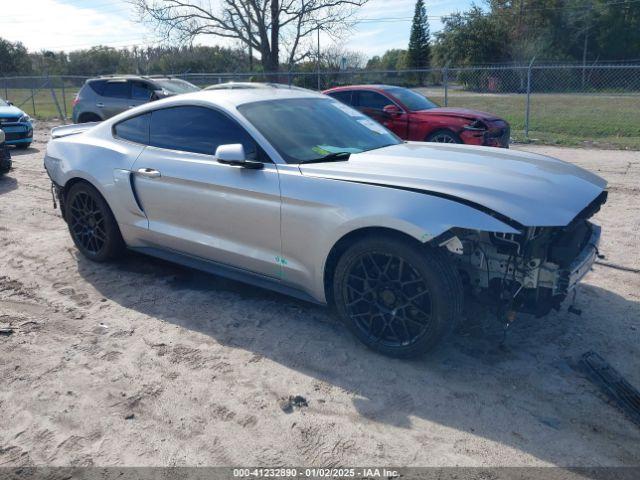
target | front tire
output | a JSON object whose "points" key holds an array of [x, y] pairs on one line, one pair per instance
{"points": [[92, 225], [23, 146], [444, 136], [397, 297]]}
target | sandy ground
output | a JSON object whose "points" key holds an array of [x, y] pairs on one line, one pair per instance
{"points": [[146, 363]]}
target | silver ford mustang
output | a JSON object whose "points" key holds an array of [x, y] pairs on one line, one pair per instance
{"points": [[294, 191]]}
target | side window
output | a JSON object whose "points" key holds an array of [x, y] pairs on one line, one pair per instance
{"points": [[344, 97], [98, 86], [140, 91], [134, 129], [374, 100], [197, 130], [117, 89]]}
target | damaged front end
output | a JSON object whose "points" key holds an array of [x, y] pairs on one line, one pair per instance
{"points": [[532, 271]]}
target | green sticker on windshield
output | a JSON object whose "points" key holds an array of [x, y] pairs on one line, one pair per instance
{"points": [[320, 151]]}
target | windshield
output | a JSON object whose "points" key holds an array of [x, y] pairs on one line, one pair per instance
{"points": [[3, 103], [412, 100], [304, 129], [176, 85]]}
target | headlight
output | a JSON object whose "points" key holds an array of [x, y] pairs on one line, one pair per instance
{"points": [[476, 125], [25, 118]]}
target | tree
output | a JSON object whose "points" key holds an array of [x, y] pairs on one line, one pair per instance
{"points": [[263, 25], [336, 57], [419, 52], [550, 30], [13, 58], [394, 59], [471, 38]]}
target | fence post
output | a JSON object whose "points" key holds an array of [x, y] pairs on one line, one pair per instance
{"points": [[64, 100], [54, 97], [528, 107], [445, 79], [33, 101]]}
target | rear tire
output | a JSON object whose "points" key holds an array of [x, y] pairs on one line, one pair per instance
{"points": [[92, 225], [444, 136], [397, 297], [23, 146]]}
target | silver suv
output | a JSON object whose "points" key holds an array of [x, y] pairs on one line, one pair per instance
{"points": [[103, 97]]}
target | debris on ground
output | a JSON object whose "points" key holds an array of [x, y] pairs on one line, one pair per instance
{"points": [[5, 329], [612, 384], [287, 404]]}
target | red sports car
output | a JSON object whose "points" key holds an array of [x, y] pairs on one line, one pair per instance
{"points": [[412, 116]]}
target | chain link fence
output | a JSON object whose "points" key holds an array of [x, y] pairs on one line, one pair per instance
{"points": [[596, 105]]}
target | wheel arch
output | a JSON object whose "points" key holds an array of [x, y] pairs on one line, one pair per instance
{"points": [[349, 239], [88, 117], [64, 191], [450, 130]]}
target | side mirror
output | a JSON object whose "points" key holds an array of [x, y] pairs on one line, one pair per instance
{"points": [[233, 154], [392, 110], [9, 103]]}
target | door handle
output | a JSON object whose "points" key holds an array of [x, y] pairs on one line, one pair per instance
{"points": [[100, 104], [149, 172]]}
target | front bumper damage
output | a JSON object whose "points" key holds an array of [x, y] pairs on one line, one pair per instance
{"points": [[564, 280], [531, 272]]}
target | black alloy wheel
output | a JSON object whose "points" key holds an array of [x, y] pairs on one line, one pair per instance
{"points": [[397, 297], [91, 223], [388, 300]]}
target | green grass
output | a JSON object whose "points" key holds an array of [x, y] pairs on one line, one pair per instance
{"points": [[574, 120], [604, 121], [45, 107]]}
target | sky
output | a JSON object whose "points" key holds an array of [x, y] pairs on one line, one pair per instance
{"points": [[77, 24]]}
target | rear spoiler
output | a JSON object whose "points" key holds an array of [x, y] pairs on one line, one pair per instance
{"points": [[74, 129]]}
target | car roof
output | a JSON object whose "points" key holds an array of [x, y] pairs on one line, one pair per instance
{"points": [[226, 98], [361, 87], [251, 85], [248, 95], [131, 77]]}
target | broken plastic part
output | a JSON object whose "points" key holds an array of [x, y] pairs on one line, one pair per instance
{"points": [[454, 245]]}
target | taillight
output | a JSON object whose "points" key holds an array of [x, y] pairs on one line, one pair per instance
{"points": [[76, 100]]}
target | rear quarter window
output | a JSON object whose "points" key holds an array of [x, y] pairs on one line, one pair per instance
{"points": [[344, 97], [97, 86], [134, 129]]}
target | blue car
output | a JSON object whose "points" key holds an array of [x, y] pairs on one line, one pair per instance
{"points": [[16, 125]]}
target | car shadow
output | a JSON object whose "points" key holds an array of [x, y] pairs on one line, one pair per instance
{"points": [[528, 395], [7, 183]]}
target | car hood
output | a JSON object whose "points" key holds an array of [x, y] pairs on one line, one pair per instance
{"points": [[531, 189], [10, 112], [458, 112]]}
